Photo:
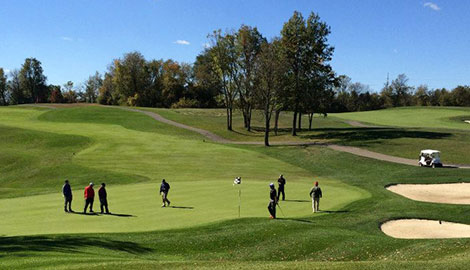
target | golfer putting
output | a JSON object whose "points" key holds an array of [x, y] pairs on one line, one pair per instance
{"points": [[164, 189]]}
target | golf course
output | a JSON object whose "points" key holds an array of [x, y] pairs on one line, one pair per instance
{"points": [[131, 152]]}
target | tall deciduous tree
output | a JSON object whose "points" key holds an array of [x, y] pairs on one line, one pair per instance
{"points": [[17, 96], [92, 85], [3, 87], [270, 71], [224, 56], [248, 41], [33, 81]]}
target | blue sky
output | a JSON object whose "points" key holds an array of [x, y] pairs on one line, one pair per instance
{"points": [[428, 41]]}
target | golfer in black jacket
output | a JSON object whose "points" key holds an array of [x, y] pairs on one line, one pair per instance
{"points": [[103, 198], [164, 189], [67, 193], [272, 201]]}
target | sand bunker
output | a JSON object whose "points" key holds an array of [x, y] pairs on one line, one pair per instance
{"points": [[425, 229], [458, 193], [467, 121]]}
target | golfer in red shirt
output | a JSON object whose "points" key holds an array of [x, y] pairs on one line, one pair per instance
{"points": [[89, 197]]}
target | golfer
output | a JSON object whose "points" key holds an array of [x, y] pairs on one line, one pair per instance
{"points": [[67, 193], [272, 201], [164, 189], [315, 194], [89, 197], [281, 183], [103, 198]]}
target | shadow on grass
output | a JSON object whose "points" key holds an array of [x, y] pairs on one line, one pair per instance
{"points": [[296, 201], [99, 214], [366, 134], [66, 244], [182, 207], [297, 220]]}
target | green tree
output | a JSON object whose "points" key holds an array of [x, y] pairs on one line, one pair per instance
{"points": [[17, 96], [224, 56], [92, 86], [270, 71], [130, 76], [3, 87], [248, 43], [33, 81]]}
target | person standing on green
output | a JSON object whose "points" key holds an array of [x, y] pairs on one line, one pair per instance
{"points": [[281, 182], [316, 194], [272, 201]]}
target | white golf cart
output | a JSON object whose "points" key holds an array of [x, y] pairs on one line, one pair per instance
{"points": [[430, 158]]}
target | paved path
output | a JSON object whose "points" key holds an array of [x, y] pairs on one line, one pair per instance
{"points": [[348, 149]]}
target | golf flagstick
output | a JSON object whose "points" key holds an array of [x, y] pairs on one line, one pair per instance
{"points": [[239, 200]]}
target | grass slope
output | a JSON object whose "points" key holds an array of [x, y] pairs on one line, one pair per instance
{"points": [[119, 147], [345, 239]]}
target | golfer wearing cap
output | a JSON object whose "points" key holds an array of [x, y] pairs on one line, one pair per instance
{"points": [[272, 201], [316, 194], [89, 197]]}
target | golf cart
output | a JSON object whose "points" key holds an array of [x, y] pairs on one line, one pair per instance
{"points": [[429, 158]]}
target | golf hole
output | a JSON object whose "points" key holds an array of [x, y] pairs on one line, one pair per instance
{"points": [[425, 229], [455, 193]]}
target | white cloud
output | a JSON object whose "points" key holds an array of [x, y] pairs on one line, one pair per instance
{"points": [[182, 42], [66, 38], [6, 71], [432, 6]]}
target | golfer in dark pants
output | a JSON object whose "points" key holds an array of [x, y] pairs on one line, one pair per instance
{"points": [[272, 201], [164, 189], [281, 182], [67, 193], [89, 197], [103, 198]]}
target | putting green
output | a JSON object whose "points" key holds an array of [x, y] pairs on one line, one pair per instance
{"points": [[132, 152]]}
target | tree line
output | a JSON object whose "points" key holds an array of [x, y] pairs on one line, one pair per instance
{"points": [[240, 70], [351, 97]]}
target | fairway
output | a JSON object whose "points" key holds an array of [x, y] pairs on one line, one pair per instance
{"points": [[131, 153], [416, 117]]}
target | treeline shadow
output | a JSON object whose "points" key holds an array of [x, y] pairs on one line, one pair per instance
{"points": [[65, 244], [370, 134]]}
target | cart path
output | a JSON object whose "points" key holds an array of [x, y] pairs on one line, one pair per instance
{"points": [[218, 139]]}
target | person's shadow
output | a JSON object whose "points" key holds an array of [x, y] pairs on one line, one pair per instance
{"points": [[182, 207], [99, 214]]}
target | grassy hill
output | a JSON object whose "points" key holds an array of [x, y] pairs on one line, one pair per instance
{"points": [[401, 132], [132, 152]]}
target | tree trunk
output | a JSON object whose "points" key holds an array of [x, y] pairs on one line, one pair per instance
{"points": [[294, 124], [310, 118], [230, 119], [266, 129], [248, 120], [276, 121], [300, 121]]}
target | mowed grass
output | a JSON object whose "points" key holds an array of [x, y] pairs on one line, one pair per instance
{"points": [[214, 120], [401, 132], [131, 152], [347, 237]]}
